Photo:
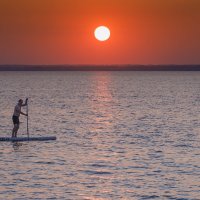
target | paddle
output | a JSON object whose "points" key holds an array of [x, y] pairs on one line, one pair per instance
{"points": [[27, 117]]}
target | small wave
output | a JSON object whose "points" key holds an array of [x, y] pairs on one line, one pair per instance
{"points": [[47, 163], [90, 172], [150, 197]]}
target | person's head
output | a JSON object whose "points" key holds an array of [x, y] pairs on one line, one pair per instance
{"points": [[20, 101]]}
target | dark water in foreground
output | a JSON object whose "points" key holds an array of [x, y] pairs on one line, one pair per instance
{"points": [[121, 135]]}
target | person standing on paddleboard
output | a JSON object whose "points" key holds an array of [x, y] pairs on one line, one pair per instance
{"points": [[16, 114]]}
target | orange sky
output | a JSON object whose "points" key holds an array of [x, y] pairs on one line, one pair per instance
{"points": [[61, 31]]}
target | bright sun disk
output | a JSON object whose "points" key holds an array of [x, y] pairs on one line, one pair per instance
{"points": [[102, 33]]}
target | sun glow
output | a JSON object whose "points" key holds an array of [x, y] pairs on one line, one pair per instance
{"points": [[102, 33]]}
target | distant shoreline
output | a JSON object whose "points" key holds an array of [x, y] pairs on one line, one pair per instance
{"points": [[99, 67]]}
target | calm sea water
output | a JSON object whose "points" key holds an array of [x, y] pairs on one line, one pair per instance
{"points": [[120, 135]]}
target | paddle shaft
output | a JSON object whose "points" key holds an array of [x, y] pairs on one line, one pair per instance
{"points": [[27, 119]]}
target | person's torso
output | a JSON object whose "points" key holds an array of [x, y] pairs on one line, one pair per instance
{"points": [[17, 110]]}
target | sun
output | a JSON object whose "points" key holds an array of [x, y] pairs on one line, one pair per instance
{"points": [[102, 33]]}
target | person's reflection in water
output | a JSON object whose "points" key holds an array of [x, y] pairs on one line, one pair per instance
{"points": [[16, 145]]}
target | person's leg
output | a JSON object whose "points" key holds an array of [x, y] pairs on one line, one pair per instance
{"points": [[14, 130], [17, 128]]}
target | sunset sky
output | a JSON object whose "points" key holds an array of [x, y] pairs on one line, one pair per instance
{"points": [[62, 31]]}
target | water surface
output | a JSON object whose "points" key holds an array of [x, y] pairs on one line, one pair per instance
{"points": [[121, 135]]}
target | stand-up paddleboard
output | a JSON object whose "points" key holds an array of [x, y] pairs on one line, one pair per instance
{"points": [[23, 139], [28, 138]]}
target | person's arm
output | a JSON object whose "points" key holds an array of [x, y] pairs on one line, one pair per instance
{"points": [[25, 104], [23, 114]]}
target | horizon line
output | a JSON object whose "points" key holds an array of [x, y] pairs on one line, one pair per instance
{"points": [[172, 64], [172, 67]]}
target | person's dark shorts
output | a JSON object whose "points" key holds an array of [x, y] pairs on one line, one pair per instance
{"points": [[15, 120]]}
